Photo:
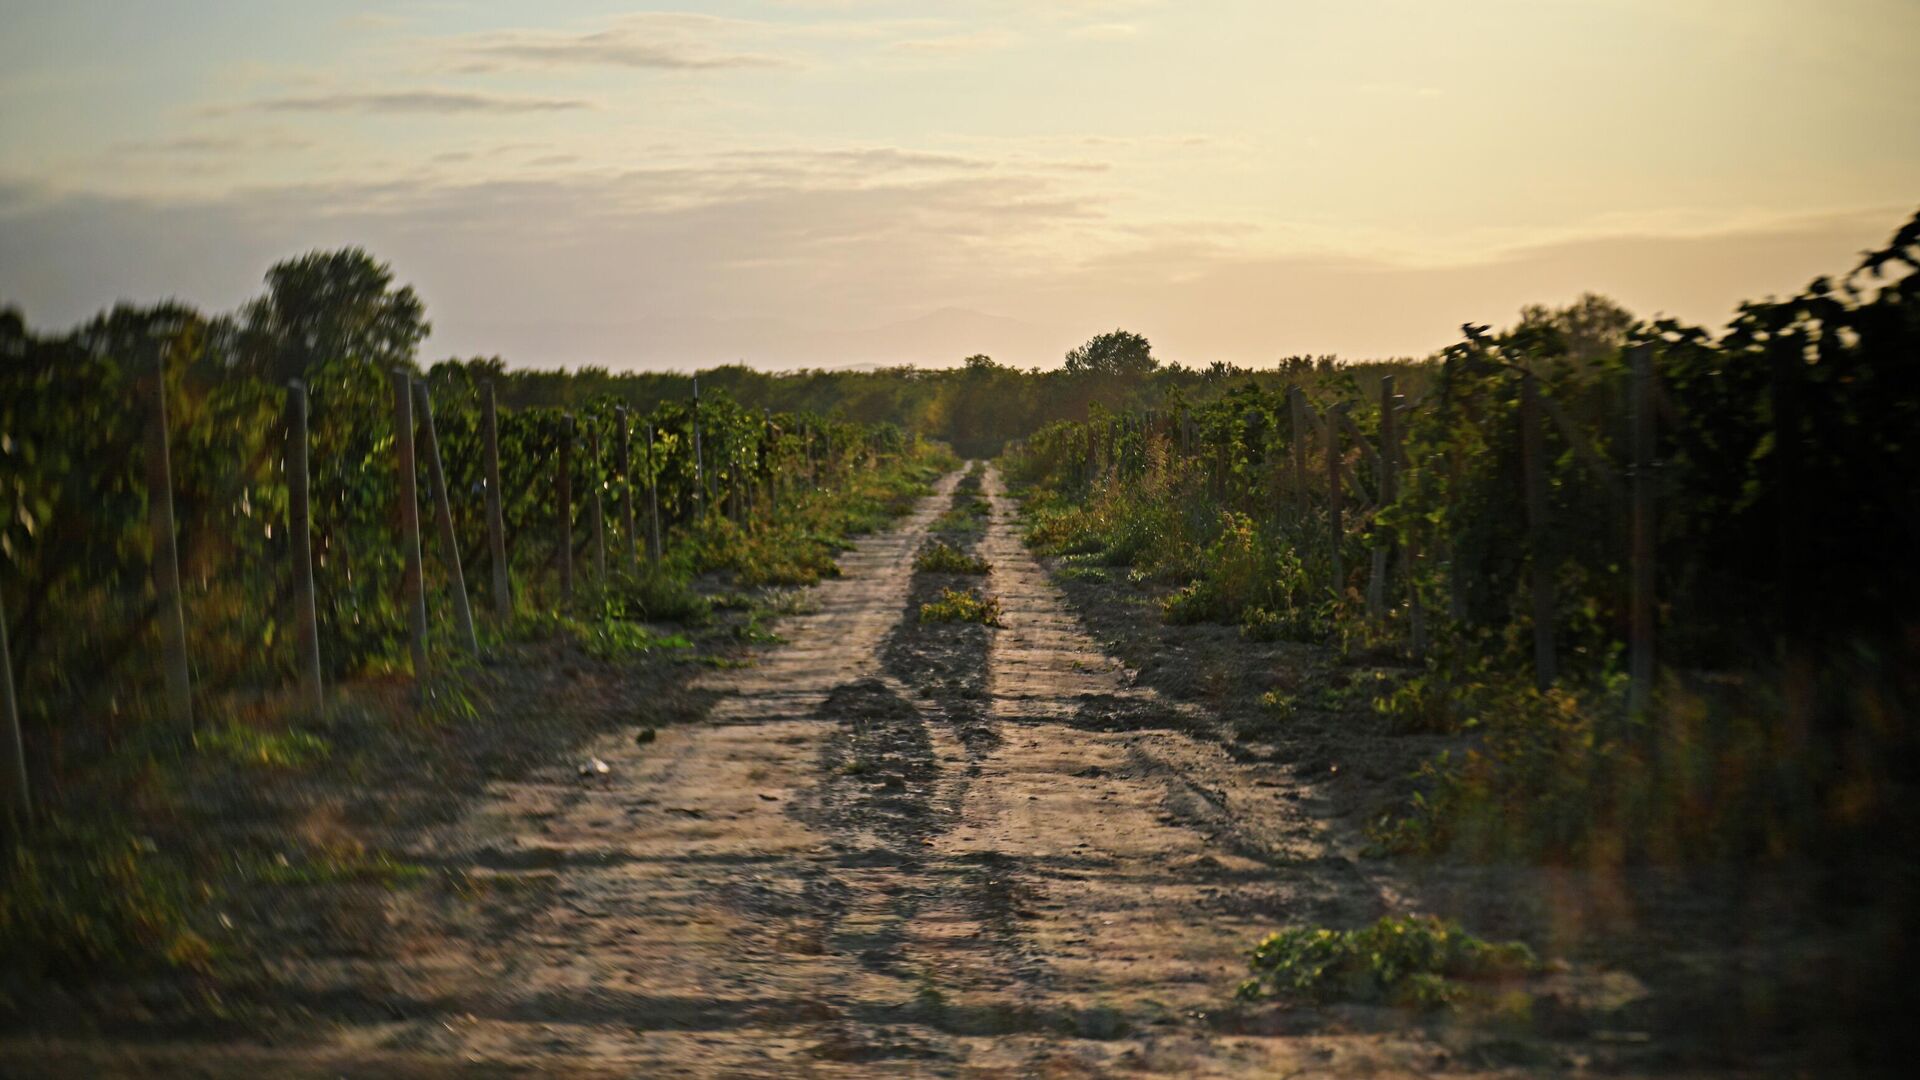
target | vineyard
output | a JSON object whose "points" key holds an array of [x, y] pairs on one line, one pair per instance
{"points": [[1639, 573], [365, 716]]}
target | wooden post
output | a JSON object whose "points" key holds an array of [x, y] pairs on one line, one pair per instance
{"points": [[566, 507], [653, 503], [443, 512], [166, 554], [13, 771], [599, 512], [699, 469], [1377, 577], [300, 538], [496, 526], [1534, 476], [412, 588], [624, 448], [1641, 627], [1297, 406], [1335, 530], [1416, 610]]}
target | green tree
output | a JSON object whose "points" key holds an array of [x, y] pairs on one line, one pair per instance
{"points": [[1591, 328], [328, 305], [1117, 352]]}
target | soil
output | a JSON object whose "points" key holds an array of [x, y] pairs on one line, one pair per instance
{"points": [[891, 847]]}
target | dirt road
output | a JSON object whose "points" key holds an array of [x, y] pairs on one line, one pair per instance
{"points": [[892, 848]]}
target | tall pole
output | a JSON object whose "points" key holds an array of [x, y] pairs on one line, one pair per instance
{"points": [[1297, 406], [1334, 528], [625, 450], [653, 503], [496, 526], [412, 588], [699, 474], [1377, 579], [443, 512], [166, 553], [1641, 628], [306, 614], [566, 507], [13, 771], [599, 512]]}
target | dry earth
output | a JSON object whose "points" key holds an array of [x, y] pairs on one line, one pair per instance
{"points": [[890, 848]]}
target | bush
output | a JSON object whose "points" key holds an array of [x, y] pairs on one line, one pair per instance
{"points": [[656, 594], [1545, 781], [78, 898], [1412, 961], [1424, 705], [1242, 575]]}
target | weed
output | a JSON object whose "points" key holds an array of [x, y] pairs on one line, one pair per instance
{"points": [[245, 745], [1424, 704], [1281, 707], [655, 594], [1418, 962], [939, 557], [75, 897], [956, 606]]}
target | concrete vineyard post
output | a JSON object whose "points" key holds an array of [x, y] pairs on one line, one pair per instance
{"points": [[1534, 477], [166, 553], [1334, 528], [13, 771], [1640, 626], [300, 540], [443, 514], [599, 512], [624, 448], [566, 507], [653, 504], [496, 526], [412, 586]]}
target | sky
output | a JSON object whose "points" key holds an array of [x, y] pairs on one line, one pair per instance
{"points": [[845, 182]]}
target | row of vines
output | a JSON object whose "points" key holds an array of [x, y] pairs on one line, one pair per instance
{"points": [[1520, 524], [78, 566]]}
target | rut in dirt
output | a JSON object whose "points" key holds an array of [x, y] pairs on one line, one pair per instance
{"points": [[892, 846]]}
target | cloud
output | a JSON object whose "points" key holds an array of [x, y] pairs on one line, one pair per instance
{"points": [[773, 258], [674, 41], [444, 102]]}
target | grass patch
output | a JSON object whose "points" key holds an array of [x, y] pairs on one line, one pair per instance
{"points": [[940, 557], [968, 515], [962, 606], [1416, 962], [243, 745], [74, 899], [656, 594]]}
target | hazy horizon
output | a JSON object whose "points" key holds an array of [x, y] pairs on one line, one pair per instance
{"points": [[834, 183]]}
